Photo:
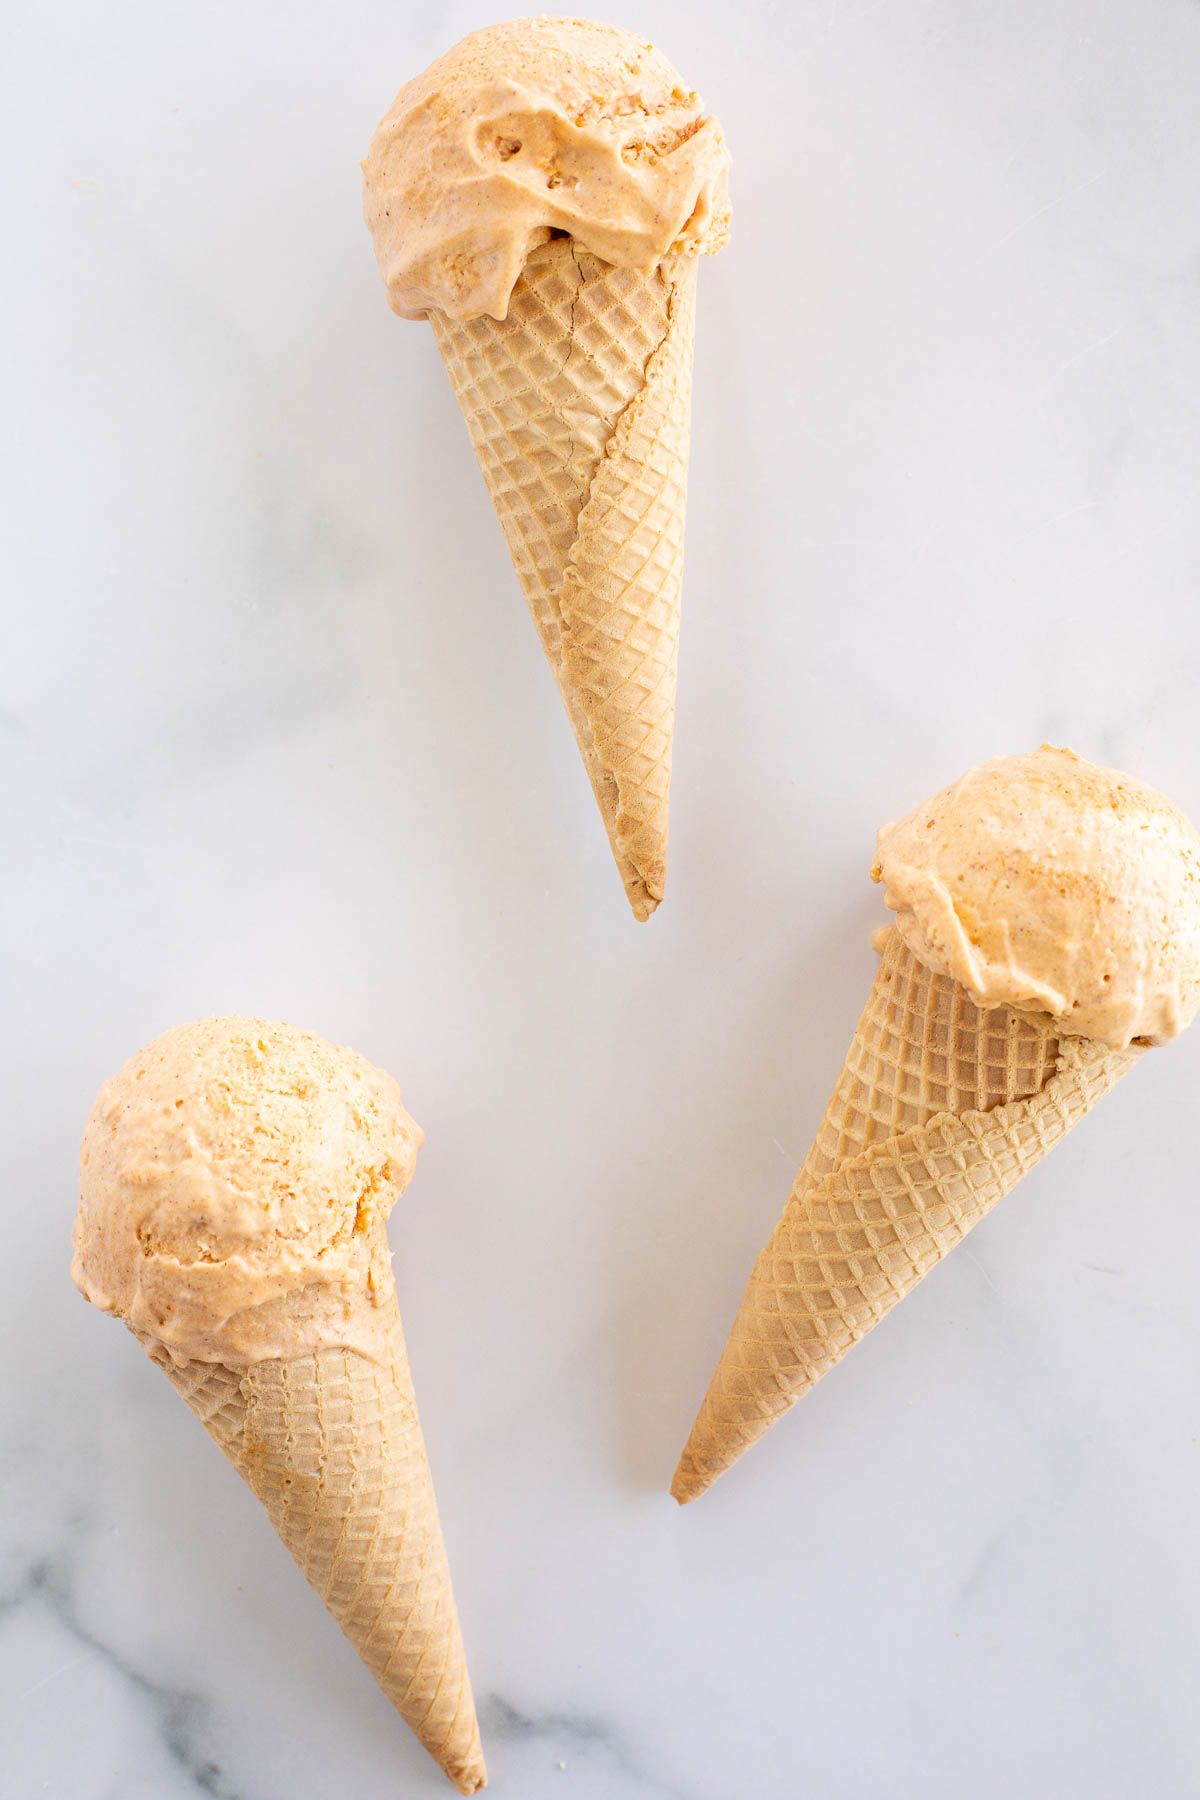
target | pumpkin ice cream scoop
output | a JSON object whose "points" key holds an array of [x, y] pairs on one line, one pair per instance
{"points": [[235, 1182], [528, 129], [236, 1177], [1045, 882], [542, 194], [1047, 931]]}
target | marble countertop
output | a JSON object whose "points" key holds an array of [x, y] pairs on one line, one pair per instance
{"points": [[277, 737]]}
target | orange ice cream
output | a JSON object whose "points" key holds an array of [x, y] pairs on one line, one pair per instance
{"points": [[529, 129], [235, 1182], [1046, 883]]}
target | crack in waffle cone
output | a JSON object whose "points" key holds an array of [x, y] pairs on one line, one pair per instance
{"points": [[579, 405], [940, 1109], [332, 1446]]}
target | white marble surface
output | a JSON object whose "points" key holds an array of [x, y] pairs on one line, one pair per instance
{"points": [[276, 735]]}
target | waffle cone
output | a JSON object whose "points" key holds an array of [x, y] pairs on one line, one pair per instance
{"points": [[940, 1109], [332, 1446], [578, 405]]}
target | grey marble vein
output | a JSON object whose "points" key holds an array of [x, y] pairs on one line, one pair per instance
{"points": [[566, 1733], [182, 1718], [283, 743]]}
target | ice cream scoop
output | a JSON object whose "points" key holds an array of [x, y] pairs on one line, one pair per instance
{"points": [[531, 128], [1045, 882], [236, 1176], [543, 194], [235, 1181], [1047, 929]]}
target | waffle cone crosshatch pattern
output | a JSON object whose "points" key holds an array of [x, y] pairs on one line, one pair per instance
{"points": [[509, 518]]}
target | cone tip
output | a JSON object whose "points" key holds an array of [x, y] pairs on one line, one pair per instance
{"points": [[472, 1778], [642, 901], [688, 1482]]}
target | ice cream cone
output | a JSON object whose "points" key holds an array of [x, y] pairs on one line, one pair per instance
{"points": [[542, 194], [578, 405], [1047, 929], [332, 1446], [236, 1178], [940, 1109]]}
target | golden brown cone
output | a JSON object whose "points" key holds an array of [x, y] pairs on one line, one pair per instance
{"points": [[940, 1109], [332, 1445], [579, 410]]}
